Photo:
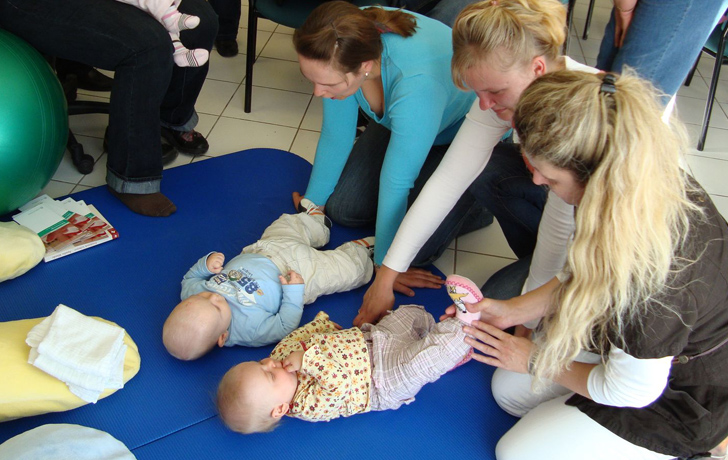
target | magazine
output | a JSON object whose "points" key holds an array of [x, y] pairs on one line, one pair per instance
{"points": [[65, 226]]}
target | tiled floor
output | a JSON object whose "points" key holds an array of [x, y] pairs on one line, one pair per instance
{"points": [[286, 116]]}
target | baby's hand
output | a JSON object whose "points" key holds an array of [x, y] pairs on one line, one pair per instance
{"points": [[292, 278], [293, 362], [215, 261]]}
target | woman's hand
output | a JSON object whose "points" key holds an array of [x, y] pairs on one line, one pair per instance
{"points": [[417, 278], [498, 348], [623, 13], [297, 197], [379, 298]]}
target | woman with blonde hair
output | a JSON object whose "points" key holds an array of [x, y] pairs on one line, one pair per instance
{"points": [[392, 65], [645, 286], [500, 47]]}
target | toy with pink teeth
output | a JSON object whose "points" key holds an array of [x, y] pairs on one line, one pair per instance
{"points": [[462, 290]]}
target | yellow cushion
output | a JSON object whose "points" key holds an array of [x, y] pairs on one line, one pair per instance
{"points": [[20, 250], [26, 390]]}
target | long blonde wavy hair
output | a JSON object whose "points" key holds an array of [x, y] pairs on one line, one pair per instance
{"points": [[506, 33], [633, 217]]}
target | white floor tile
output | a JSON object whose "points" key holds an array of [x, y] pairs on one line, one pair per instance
{"points": [[692, 111], [590, 48], [230, 69], [92, 124], [721, 202], [270, 106], [710, 173], [280, 46], [305, 144], [489, 240], [231, 135], [314, 117], [56, 189], [446, 262], [279, 74], [716, 142], [215, 96]]}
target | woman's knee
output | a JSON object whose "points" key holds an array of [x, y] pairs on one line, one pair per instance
{"points": [[204, 34], [505, 392]]}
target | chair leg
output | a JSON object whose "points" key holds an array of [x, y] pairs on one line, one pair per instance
{"points": [[569, 20], [83, 162], [711, 94], [250, 57], [689, 78], [587, 23]]}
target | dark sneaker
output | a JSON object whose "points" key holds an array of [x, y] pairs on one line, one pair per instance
{"points": [[227, 48], [187, 142]]}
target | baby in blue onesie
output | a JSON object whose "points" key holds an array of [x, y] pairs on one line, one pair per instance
{"points": [[257, 297]]}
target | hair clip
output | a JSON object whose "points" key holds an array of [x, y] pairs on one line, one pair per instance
{"points": [[608, 86], [382, 28]]}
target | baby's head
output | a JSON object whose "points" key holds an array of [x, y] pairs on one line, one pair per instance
{"points": [[196, 324], [253, 396]]}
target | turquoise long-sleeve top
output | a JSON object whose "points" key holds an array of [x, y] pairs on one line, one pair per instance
{"points": [[422, 108]]}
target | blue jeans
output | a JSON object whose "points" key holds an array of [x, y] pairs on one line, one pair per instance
{"points": [[507, 282], [663, 40], [444, 11], [228, 12], [149, 90], [505, 187], [354, 200]]}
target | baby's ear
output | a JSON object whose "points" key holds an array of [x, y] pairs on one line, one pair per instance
{"points": [[222, 339], [280, 410]]}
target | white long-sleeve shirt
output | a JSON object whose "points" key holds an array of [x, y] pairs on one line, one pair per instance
{"points": [[466, 158]]}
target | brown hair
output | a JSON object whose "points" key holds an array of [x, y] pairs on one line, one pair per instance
{"points": [[341, 34]]}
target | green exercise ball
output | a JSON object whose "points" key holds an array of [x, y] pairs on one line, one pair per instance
{"points": [[33, 122]]}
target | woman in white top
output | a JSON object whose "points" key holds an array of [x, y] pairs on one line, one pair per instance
{"points": [[645, 287], [500, 47]]}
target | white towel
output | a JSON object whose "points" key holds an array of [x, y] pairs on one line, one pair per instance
{"points": [[85, 353]]}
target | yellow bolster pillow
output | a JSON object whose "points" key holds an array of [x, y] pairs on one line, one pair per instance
{"points": [[26, 390]]}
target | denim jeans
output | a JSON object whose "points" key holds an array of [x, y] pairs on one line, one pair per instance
{"points": [[507, 282], [148, 90], [228, 12], [354, 200], [663, 40], [444, 11], [506, 188]]}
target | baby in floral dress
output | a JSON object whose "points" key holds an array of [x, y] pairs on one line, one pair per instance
{"points": [[320, 372]]}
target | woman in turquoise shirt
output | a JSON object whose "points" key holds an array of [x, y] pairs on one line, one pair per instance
{"points": [[395, 67]]}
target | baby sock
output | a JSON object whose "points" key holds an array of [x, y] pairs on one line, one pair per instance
{"points": [[175, 22], [184, 57], [148, 204], [368, 243]]}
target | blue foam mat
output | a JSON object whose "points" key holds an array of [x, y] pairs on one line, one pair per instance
{"points": [[167, 410]]}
